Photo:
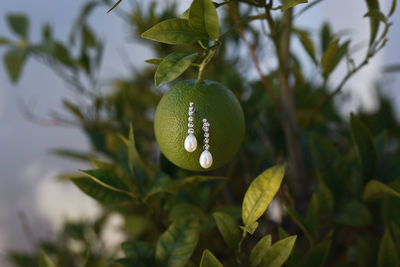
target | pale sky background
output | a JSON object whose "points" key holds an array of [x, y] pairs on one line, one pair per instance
{"points": [[27, 170]]}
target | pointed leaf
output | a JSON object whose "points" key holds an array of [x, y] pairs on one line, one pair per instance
{"points": [[279, 252], [197, 179], [376, 190], [373, 5], [209, 260], [332, 56], [107, 179], [176, 245], [228, 228], [45, 261], [203, 17], [259, 250], [307, 44], [300, 223], [260, 193], [393, 8], [286, 4], [19, 24], [114, 6], [154, 61], [162, 184], [387, 255], [173, 66], [173, 31], [14, 61], [353, 213], [364, 144]]}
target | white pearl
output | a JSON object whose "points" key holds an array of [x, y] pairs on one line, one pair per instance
{"points": [[190, 143], [206, 159]]}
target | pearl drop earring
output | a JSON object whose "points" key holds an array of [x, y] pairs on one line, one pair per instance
{"points": [[206, 159], [191, 141]]}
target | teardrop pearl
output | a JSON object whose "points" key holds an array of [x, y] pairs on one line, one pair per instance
{"points": [[190, 143], [206, 159]]}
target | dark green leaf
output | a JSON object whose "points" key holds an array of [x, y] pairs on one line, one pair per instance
{"points": [[4, 41], [100, 193], [307, 44], [162, 184], [107, 179], [154, 61], [114, 6], [279, 252], [317, 256], [45, 261], [326, 36], [74, 109], [312, 217], [203, 18], [362, 138], [71, 154], [259, 250], [376, 190], [88, 38], [209, 260], [393, 8], [14, 61], [140, 252], [260, 193], [185, 211], [296, 217], [173, 66], [136, 163], [60, 52], [332, 56], [197, 179], [353, 213], [176, 245], [47, 34], [173, 31], [228, 228], [373, 5], [19, 24], [286, 4], [387, 255]]}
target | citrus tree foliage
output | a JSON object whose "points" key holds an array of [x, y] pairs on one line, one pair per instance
{"points": [[335, 182]]}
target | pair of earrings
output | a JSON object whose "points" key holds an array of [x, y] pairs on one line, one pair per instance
{"points": [[190, 144]]}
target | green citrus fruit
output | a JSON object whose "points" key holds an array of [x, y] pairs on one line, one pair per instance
{"points": [[212, 101]]}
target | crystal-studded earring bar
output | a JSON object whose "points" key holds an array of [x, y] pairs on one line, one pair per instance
{"points": [[206, 159], [191, 141]]}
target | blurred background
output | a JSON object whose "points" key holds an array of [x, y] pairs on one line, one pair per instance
{"points": [[30, 196]]}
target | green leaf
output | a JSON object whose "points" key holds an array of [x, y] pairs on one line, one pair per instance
{"points": [[19, 24], [373, 5], [286, 4], [136, 164], [279, 252], [317, 256], [104, 195], [209, 260], [353, 213], [45, 261], [228, 228], [4, 41], [260, 193], [203, 17], [14, 61], [74, 109], [185, 15], [140, 251], [154, 61], [107, 179], [250, 228], [393, 8], [173, 66], [114, 6], [176, 245], [60, 52], [307, 43], [362, 138], [312, 219], [387, 255], [162, 184], [173, 31], [259, 250], [197, 179], [88, 37], [71, 154], [184, 212], [300, 223], [376, 190], [332, 56]]}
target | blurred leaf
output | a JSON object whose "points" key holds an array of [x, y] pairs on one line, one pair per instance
{"points": [[325, 198], [47, 34], [176, 245], [373, 6], [154, 61], [185, 15], [60, 52], [107, 179], [105, 195], [317, 256], [74, 109], [203, 17], [332, 56], [173, 31], [259, 250], [136, 163], [312, 219], [197, 179], [365, 146], [114, 6], [4, 41], [88, 37], [260, 193], [140, 251], [387, 255], [173, 66], [279, 252], [307, 43], [228, 228], [14, 61], [286, 4], [19, 24], [185, 211], [209, 260], [376, 190], [72, 154], [162, 184], [301, 223], [326, 36], [353, 213], [393, 8], [45, 261]]}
